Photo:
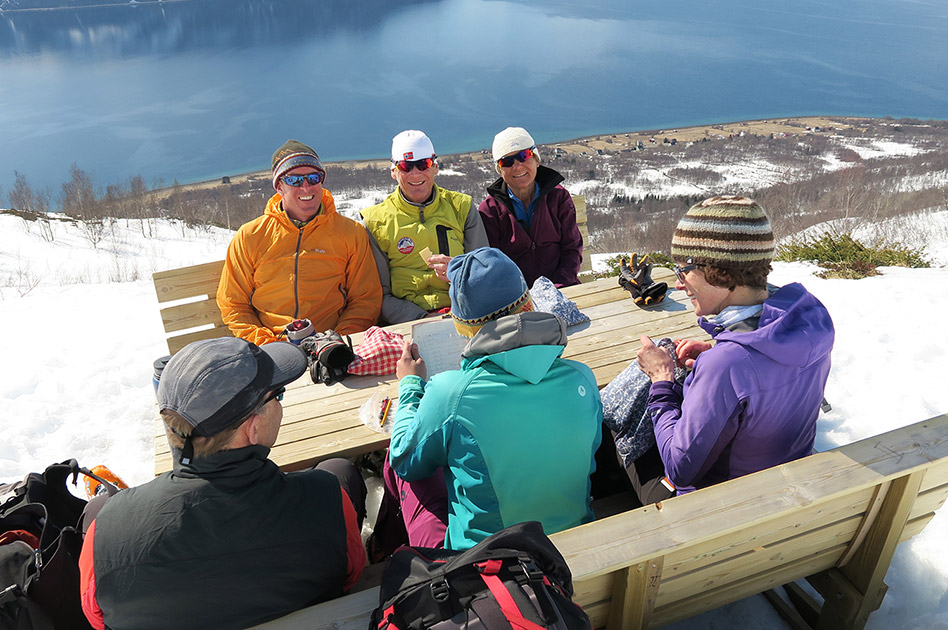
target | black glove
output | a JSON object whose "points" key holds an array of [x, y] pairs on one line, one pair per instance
{"points": [[637, 280], [329, 357]]}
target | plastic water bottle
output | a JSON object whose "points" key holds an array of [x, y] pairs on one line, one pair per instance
{"points": [[159, 367]]}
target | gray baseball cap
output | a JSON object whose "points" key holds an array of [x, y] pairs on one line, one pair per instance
{"points": [[216, 383]]}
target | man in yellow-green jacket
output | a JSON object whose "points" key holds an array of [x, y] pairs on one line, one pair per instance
{"points": [[417, 230]]}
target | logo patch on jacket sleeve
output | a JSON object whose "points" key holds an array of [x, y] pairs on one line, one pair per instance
{"points": [[406, 245]]}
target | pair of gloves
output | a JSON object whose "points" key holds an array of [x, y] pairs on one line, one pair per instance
{"points": [[328, 355], [637, 280]]}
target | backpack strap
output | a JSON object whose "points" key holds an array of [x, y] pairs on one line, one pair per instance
{"points": [[488, 571]]}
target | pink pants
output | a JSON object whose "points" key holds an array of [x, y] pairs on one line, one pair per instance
{"points": [[424, 506]]}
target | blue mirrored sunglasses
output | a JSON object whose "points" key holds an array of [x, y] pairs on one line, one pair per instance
{"points": [[297, 180], [520, 156]]}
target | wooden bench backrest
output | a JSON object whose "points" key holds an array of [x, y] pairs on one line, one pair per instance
{"points": [[190, 293], [835, 517]]}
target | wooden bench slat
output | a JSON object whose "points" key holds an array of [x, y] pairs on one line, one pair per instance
{"points": [[188, 282], [190, 315], [701, 602]]}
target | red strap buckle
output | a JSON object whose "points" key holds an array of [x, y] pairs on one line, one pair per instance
{"points": [[489, 567]]}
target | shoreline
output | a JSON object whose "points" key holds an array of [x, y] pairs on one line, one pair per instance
{"points": [[605, 142]]}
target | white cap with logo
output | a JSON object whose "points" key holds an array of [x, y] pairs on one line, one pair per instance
{"points": [[411, 145]]}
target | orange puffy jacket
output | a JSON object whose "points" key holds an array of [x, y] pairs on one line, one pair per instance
{"points": [[276, 272]]}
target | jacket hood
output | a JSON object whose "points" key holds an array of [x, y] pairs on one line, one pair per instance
{"points": [[547, 178], [525, 344], [275, 209], [795, 329]]}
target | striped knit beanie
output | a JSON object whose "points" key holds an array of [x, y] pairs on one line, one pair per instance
{"points": [[294, 153], [730, 232]]}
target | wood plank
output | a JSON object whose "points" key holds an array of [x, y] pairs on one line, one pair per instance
{"points": [[633, 595], [837, 515], [929, 501], [179, 341], [344, 613], [191, 315], [758, 562], [188, 282], [867, 568], [579, 202], [704, 601]]}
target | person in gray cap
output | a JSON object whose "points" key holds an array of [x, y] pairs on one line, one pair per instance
{"points": [[299, 260], [224, 540]]}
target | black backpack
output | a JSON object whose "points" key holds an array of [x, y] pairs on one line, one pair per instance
{"points": [[39, 588], [513, 580]]}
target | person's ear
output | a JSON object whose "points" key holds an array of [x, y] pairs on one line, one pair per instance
{"points": [[251, 428], [393, 172]]}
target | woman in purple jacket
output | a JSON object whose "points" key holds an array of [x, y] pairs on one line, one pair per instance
{"points": [[752, 398], [528, 215]]}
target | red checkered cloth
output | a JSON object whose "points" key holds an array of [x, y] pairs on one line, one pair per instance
{"points": [[378, 353]]}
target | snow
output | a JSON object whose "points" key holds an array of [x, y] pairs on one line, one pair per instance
{"points": [[79, 345]]}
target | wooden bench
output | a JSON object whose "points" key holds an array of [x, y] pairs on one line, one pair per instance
{"points": [[189, 295], [833, 518]]}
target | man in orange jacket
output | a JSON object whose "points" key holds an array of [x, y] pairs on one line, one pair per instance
{"points": [[300, 260]]}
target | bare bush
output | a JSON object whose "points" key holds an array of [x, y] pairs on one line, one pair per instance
{"points": [[697, 176], [23, 279], [35, 202]]}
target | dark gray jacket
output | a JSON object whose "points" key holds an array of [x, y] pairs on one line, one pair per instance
{"points": [[227, 542]]}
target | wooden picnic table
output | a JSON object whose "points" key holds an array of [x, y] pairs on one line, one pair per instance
{"points": [[320, 422]]}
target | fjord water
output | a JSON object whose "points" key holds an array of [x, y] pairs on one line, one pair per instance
{"points": [[195, 89]]}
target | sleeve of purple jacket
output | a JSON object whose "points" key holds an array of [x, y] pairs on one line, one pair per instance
{"points": [[694, 427]]}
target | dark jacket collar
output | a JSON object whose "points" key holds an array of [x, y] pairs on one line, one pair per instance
{"points": [[547, 179], [232, 464]]}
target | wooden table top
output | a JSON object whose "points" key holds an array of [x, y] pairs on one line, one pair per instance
{"points": [[320, 422]]}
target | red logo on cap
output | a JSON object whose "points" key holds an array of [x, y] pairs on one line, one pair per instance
{"points": [[409, 156], [406, 245]]}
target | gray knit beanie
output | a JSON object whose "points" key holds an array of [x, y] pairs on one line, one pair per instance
{"points": [[729, 231]]}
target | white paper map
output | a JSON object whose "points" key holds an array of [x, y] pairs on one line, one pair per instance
{"points": [[439, 344]]}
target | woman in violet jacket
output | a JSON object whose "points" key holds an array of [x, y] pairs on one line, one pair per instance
{"points": [[528, 215], [752, 399]]}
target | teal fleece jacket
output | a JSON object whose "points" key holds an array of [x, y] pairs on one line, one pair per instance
{"points": [[516, 430]]}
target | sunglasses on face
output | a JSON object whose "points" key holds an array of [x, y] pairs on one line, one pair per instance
{"points": [[297, 180], [405, 166], [277, 394], [520, 156], [681, 271]]}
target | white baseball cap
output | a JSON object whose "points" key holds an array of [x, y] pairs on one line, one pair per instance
{"points": [[510, 140], [411, 145]]}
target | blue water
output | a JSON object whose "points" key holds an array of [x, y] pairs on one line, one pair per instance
{"points": [[196, 89]]}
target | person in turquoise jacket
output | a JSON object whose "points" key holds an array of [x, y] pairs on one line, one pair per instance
{"points": [[515, 430]]}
